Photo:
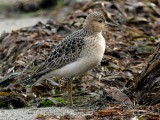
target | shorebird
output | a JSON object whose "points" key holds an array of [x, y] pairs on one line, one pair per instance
{"points": [[76, 54]]}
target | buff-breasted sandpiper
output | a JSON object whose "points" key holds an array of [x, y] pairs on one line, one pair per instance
{"points": [[76, 54]]}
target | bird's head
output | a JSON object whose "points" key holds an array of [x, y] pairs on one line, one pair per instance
{"points": [[95, 22]]}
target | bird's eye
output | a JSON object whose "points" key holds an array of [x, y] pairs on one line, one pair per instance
{"points": [[100, 21]]}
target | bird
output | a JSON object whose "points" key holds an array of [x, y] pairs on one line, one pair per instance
{"points": [[76, 54]]}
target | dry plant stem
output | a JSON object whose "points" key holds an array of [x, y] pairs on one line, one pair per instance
{"points": [[70, 99], [147, 87], [119, 8]]}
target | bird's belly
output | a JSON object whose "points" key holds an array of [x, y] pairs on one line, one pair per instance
{"points": [[75, 68], [90, 57]]}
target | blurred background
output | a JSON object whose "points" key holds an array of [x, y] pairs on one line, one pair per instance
{"points": [[16, 14]]}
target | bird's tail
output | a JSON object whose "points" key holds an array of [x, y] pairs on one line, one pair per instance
{"points": [[19, 78], [30, 80]]}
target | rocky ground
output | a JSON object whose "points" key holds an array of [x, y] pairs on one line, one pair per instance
{"points": [[32, 113]]}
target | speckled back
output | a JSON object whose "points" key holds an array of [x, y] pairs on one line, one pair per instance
{"points": [[65, 52]]}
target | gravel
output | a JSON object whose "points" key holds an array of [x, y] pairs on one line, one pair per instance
{"points": [[30, 114]]}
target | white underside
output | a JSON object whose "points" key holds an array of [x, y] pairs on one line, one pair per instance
{"points": [[73, 69], [92, 58]]}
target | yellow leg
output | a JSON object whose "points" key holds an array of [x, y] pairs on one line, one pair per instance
{"points": [[70, 99]]}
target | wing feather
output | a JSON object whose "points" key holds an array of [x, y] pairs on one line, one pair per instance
{"points": [[66, 52]]}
